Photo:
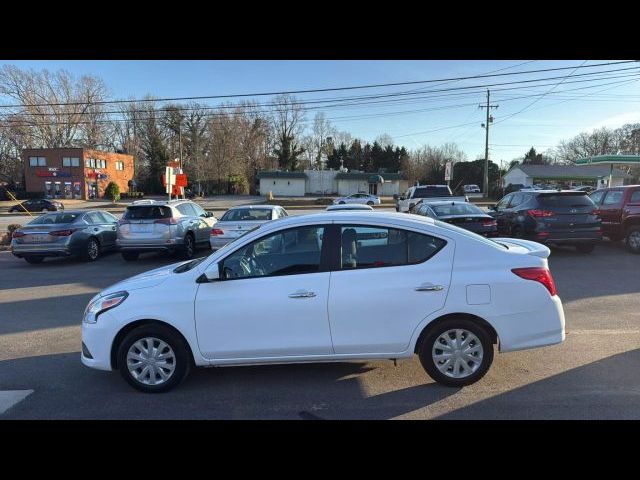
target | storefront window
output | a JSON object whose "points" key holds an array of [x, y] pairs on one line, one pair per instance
{"points": [[57, 190], [47, 190], [76, 190]]}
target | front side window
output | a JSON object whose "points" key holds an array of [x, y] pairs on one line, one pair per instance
{"points": [[288, 252], [635, 197], [371, 246], [187, 210], [93, 218], [597, 196], [613, 198], [502, 204]]}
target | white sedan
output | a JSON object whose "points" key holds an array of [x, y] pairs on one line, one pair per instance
{"points": [[359, 198], [332, 286]]}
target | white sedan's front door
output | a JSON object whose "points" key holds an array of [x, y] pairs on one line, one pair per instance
{"points": [[272, 304]]}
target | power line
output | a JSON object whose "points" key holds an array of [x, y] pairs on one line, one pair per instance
{"points": [[315, 90], [337, 105]]}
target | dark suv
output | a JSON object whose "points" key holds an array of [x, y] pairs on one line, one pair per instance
{"points": [[550, 217]]}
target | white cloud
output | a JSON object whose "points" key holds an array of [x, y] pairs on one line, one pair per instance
{"points": [[617, 120]]}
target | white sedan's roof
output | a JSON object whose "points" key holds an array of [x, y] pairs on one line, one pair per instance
{"points": [[256, 207], [355, 216]]}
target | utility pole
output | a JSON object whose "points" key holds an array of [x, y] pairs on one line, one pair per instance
{"points": [[488, 106]]}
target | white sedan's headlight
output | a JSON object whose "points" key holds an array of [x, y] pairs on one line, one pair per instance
{"points": [[102, 304]]}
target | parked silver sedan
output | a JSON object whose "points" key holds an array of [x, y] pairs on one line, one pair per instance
{"points": [[358, 198], [239, 220], [61, 234]]}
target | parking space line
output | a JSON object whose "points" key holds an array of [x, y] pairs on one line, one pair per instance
{"points": [[9, 398]]}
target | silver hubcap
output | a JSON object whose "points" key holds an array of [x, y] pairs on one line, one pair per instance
{"points": [[93, 249], [634, 239], [457, 353], [151, 361]]}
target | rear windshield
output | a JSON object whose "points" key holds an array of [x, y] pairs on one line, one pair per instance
{"points": [[55, 218], [246, 214], [424, 192], [147, 212], [565, 200], [457, 209], [468, 233]]}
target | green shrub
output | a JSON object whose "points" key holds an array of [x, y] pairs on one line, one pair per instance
{"points": [[6, 239], [112, 191]]}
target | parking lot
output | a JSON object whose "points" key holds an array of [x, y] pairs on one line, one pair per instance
{"points": [[593, 374]]}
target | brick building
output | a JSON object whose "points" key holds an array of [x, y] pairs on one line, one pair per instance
{"points": [[74, 172]]}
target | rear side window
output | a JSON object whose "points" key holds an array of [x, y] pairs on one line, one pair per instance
{"points": [[635, 197], [147, 212], [371, 247], [567, 200]]}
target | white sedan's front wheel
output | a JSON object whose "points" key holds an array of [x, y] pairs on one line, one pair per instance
{"points": [[153, 359], [456, 352]]}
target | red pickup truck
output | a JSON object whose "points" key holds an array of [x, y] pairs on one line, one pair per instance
{"points": [[619, 209]]}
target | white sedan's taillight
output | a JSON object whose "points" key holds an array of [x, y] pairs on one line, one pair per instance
{"points": [[538, 274]]}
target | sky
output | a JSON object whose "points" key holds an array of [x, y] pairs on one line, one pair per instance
{"points": [[555, 111]]}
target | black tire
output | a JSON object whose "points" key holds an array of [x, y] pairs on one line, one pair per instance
{"points": [[176, 343], [370, 203], [188, 247], [91, 251], [585, 247], [130, 256], [34, 260], [633, 239], [427, 344]]}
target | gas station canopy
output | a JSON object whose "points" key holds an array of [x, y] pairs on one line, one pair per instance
{"points": [[610, 160]]}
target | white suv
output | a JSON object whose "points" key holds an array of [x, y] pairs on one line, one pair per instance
{"points": [[333, 286]]}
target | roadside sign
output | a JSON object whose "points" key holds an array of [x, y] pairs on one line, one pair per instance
{"points": [[447, 171]]}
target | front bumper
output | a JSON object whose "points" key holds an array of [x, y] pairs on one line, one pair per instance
{"points": [[97, 339]]}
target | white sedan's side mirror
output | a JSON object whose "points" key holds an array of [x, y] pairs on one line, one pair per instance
{"points": [[211, 274]]}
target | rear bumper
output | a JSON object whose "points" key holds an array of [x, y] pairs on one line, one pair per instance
{"points": [[165, 245], [568, 238], [22, 251], [536, 329]]}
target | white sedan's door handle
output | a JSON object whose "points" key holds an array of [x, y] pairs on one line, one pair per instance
{"points": [[429, 288], [302, 294]]}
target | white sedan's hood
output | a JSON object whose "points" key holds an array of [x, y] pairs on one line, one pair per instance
{"points": [[148, 279]]}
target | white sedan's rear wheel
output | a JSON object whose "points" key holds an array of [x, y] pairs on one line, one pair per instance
{"points": [[456, 352]]}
